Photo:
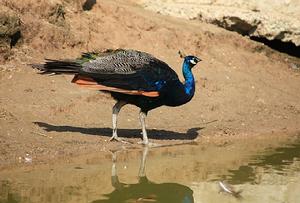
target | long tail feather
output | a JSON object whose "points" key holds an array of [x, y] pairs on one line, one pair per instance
{"points": [[58, 67]]}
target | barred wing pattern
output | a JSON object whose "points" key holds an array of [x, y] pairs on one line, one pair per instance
{"points": [[128, 69]]}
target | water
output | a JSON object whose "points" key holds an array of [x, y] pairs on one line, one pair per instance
{"points": [[265, 170]]}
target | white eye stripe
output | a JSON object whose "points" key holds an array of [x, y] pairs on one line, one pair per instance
{"points": [[192, 61]]}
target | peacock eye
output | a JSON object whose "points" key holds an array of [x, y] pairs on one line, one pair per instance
{"points": [[192, 61]]}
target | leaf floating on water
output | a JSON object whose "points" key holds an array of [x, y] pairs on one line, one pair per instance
{"points": [[225, 187]]}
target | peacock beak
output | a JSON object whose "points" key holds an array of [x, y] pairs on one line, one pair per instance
{"points": [[197, 60]]}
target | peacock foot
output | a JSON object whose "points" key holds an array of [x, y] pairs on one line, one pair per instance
{"points": [[118, 139]]}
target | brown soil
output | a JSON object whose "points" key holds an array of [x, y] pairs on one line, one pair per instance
{"points": [[243, 88]]}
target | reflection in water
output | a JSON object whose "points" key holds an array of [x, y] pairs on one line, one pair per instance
{"points": [[281, 157], [5, 192], [277, 159], [265, 172], [145, 190]]}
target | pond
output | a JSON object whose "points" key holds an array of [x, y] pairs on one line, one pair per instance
{"points": [[258, 169]]}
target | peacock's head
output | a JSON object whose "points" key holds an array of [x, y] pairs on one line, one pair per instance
{"points": [[191, 60]]}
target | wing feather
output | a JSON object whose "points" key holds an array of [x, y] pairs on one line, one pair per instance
{"points": [[128, 69]]}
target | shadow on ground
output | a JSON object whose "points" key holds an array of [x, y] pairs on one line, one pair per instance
{"points": [[191, 134]]}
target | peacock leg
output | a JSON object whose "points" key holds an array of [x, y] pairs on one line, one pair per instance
{"points": [[114, 177], [142, 120], [144, 131], [143, 162], [116, 109]]}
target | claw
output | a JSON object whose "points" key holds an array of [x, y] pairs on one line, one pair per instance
{"points": [[118, 139]]}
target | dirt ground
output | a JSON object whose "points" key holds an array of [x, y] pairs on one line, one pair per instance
{"points": [[243, 88]]}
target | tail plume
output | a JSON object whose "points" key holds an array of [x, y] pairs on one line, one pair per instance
{"points": [[58, 67]]}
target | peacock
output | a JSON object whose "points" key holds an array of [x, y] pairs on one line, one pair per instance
{"points": [[130, 77]]}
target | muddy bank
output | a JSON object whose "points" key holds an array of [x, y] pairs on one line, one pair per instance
{"points": [[243, 88]]}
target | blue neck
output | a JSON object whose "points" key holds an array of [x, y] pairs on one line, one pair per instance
{"points": [[189, 85]]}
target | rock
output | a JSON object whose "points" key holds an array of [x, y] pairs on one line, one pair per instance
{"points": [[268, 19], [10, 24], [88, 5], [10, 31]]}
